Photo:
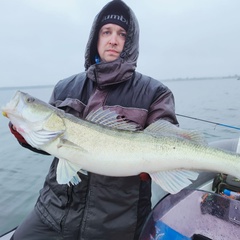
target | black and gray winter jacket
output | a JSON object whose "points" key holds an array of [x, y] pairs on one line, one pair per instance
{"points": [[102, 207]]}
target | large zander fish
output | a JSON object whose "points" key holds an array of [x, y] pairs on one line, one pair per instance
{"points": [[105, 144]]}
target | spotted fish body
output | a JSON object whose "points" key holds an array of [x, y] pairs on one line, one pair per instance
{"points": [[107, 145]]}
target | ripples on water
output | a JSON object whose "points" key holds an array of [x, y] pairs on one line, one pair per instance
{"points": [[22, 172], [215, 100]]}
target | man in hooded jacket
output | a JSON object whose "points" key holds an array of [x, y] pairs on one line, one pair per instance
{"points": [[101, 207]]}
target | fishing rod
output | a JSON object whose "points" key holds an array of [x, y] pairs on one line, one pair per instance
{"points": [[207, 121]]}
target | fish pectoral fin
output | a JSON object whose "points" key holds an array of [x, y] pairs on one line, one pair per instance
{"points": [[67, 172], [174, 181], [68, 144], [41, 137]]}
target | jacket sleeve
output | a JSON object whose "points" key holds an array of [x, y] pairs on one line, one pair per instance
{"points": [[163, 107]]}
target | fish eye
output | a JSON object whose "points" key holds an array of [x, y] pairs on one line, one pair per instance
{"points": [[30, 99]]}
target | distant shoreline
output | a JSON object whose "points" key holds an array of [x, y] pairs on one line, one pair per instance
{"points": [[163, 80], [237, 77], [26, 87]]}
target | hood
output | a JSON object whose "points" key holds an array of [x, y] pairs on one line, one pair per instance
{"points": [[122, 68]]}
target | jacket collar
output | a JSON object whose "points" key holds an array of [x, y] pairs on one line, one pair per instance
{"points": [[110, 73]]}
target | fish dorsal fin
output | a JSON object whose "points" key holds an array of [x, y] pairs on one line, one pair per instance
{"points": [[111, 119], [174, 181], [67, 172], [164, 128]]}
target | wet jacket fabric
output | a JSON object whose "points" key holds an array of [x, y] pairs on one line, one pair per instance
{"points": [[103, 207]]}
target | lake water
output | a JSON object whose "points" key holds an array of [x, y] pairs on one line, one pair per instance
{"points": [[22, 172]]}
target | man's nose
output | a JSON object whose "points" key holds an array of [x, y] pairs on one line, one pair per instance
{"points": [[113, 39]]}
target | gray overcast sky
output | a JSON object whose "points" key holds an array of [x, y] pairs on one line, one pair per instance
{"points": [[43, 41]]}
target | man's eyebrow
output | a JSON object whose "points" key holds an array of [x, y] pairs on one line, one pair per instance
{"points": [[107, 28]]}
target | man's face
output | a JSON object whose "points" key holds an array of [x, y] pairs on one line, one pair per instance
{"points": [[111, 41]]}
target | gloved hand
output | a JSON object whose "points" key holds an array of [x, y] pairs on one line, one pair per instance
{"points": [[22, 140], [144, 176], [17, 135]]}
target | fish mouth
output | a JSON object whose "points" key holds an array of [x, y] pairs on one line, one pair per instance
{"points": [[10, 106], [4, 113]]}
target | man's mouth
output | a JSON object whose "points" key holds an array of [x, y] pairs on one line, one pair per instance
{"points": [[112, 51]]}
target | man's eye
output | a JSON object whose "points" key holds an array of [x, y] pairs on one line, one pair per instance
{"points": [[123, 35], [106, 32]]}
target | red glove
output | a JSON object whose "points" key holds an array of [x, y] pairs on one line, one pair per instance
{"points": [[17, 135], [22, 140], [144, 176]]}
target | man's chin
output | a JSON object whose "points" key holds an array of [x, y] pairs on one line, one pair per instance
{"points": [[111, 59]]}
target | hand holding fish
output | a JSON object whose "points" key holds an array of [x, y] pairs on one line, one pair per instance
{"points": [[16, 134]]}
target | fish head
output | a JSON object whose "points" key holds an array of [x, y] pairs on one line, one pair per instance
{"points": [[30, 115], [23, 108]]}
